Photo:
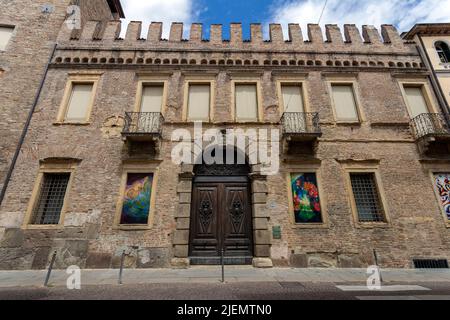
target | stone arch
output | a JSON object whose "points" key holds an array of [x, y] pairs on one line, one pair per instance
{"points": [[258, 202]]}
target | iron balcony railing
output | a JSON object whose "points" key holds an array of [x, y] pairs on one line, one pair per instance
{"points": [[301, 123], [429, 124], [139, 123]]}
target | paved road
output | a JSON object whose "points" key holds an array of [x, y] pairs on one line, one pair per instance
{"points": [[230, 291]]}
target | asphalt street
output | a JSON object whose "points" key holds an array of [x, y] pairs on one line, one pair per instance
{"points": [[259, 291]]}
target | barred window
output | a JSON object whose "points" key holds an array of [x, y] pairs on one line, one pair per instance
{"points": [[51, 199], [367, 198]]}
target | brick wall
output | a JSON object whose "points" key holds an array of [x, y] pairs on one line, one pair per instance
{"points": [[88, 239]]}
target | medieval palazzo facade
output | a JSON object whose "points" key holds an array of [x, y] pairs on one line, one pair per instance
{"points": [[364, 162]]}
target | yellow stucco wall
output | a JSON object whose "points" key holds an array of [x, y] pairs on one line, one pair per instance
{"points": [[444, 79], [429, 45], [442, 69]]}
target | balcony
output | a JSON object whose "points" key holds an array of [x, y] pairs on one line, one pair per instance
{"points": [[143, 131], [432, 133], [300, 131]]}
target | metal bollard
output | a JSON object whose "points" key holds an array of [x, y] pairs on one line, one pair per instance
{"points": [[376, 263], [223, 264], [122, 260], [50, 268]]}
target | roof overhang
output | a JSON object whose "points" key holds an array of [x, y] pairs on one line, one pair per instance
{"points": [[116, 7], [429, 29]]}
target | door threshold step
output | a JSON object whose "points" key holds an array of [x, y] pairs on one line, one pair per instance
{"points": [[213, 261]]}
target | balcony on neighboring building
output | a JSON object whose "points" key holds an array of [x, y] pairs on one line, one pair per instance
{"points": [[432, 133], [143, 131], [300, 132]]}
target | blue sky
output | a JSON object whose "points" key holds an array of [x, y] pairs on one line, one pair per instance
{"points": [[402, 13]]}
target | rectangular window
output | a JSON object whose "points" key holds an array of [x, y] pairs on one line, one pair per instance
{"points": [[246, 102], [199, 102], [79, 102], [5, 35], [152, 98], [344, 102], [292, 98], [305, 197], [416, 101], [51, 199], [137, 199], [442, 185], [367, 197]]}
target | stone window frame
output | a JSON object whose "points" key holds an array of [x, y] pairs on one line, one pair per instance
{"points": [[293, 81], [424, 85], [74, 79], [325, 224], [350, 168], [144, 80], [138, 167], [434, 169], [193, 80], [13, 34], [51, 167], [256, 80], [346, 81]]}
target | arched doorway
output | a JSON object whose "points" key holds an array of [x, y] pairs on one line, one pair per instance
{"points": [[221, 214]]}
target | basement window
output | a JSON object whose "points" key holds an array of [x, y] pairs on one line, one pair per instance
{"points": [[430, 264]]}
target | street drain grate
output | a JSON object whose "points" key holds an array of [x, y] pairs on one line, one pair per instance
{"points": [[292, 285]]}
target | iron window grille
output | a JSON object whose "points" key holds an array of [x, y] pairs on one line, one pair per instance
{"points": [[301, 123], [143, 123], [367, 198], [51, 198], [429, 124], [430, 264]]}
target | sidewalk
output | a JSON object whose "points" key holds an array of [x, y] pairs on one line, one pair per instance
{"points": [[213, 275]]}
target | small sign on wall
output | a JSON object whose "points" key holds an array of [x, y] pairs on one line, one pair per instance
{"points": [[276, 232]]}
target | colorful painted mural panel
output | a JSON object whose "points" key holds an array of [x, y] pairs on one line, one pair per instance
{"points": [[136, 202], [442, 181], [305, 196]]}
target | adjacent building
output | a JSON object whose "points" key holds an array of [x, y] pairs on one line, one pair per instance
{"points": [[353, 125], [28, 32], [433, 41]]}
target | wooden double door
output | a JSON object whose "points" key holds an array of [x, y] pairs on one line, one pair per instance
{"points": [[221, 218]]}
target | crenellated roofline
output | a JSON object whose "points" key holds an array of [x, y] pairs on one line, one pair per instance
{"points": [[370, 40]]}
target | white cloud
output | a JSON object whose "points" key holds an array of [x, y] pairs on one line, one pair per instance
{"points": [[166, 11], [402, 13]]}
